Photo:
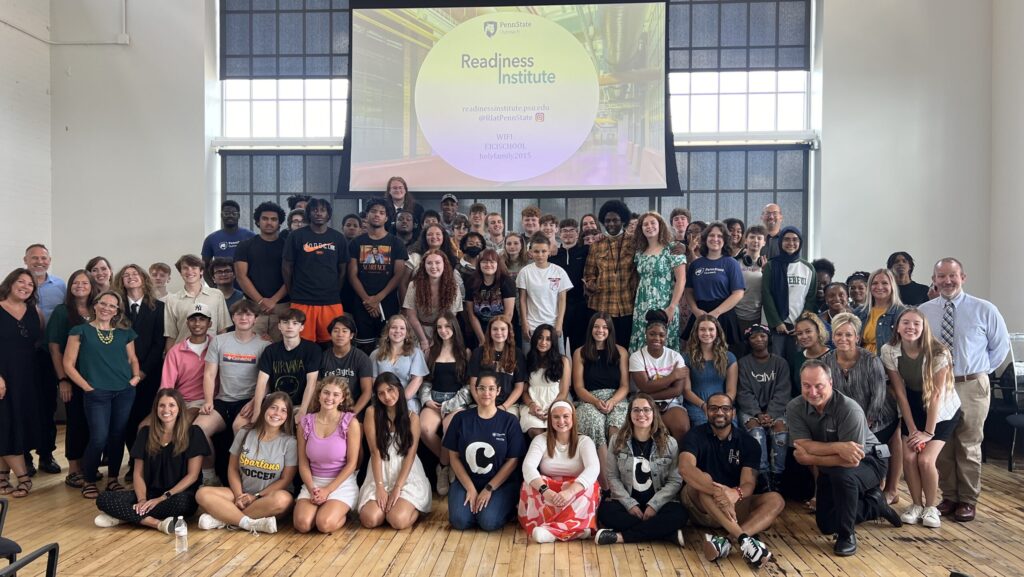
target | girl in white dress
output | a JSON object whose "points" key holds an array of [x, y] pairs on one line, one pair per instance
{"points": [[396, 489], [549, 380]]}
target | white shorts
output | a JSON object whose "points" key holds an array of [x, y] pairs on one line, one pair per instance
{"points": [[346, 493], [198, 404]]}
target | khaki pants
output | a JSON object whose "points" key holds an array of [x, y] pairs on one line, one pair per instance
{"points": [[959, 463], [267, 324]]}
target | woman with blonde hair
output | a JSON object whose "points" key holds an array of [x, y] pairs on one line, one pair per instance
{"points": [[712, 368], [397, 353], [920, 369], [662, 279], [879, 314], [560, 494]]}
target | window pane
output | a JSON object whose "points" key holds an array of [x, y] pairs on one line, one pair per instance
{"points": [[760, 170], [703, 170], [236, 89], [732, 170], [704, 82], [292, 173], [733, 82], [236, 172], [318, 89], [762, 112], [339, 88], [680, 107], [264, 173], [679, 83], [789, 172], [339, 109], [290, 89], [792, 81], [762, 81], [264, 89], [264, 119], [290, 121], [318, 118], [733, 113], [704, 114], [236, 119], [791, 112]]}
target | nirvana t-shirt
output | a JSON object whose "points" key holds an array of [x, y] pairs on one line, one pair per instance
{"points": [[264, 261], [288, 369], [485, 444], [376, 260], [643, 481], [506, 381], [163, 470], [714, 280], [223, 244], [317, 263], [725, 459], [236, 365], [261, 463], [488, 300], [353, 366]]}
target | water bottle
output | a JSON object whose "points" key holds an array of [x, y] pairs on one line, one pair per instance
{"points": [[180, 536]]}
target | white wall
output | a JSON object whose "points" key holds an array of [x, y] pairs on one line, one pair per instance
{"points": [[24, 130], [129, 136], [906, 134], [1007, 274]]}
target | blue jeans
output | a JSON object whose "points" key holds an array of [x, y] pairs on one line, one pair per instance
{"points": [[107, 414], [493, 517], [777, 452]]}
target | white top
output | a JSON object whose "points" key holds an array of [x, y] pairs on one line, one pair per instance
{"points": [[584, 467], [542, 286], [950, 400], [641, 361]]}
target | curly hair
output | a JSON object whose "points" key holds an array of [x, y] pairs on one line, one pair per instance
{"points": [[148, 298], [447, 245], [719, 348], [447, 288], [344, 406]]}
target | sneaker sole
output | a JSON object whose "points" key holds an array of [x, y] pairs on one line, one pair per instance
{"points": [[710, 551]]}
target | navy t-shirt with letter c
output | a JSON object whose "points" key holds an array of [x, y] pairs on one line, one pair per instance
{"points": [[485, 444]]}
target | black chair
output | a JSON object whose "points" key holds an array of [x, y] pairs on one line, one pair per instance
{"points": [[52, 552], [1007, 402], [8, 549]]}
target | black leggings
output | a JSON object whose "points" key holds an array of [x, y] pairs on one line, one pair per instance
{"points": [[661, 527], [118, 504]]}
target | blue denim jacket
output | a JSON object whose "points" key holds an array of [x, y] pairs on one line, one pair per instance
{"points": [[886, 324], [664, 473]]}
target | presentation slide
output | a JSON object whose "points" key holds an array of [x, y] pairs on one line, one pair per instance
{"points": [[528, 98]]}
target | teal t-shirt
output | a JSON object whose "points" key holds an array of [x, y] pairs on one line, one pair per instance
{"points": [[104, 366]]}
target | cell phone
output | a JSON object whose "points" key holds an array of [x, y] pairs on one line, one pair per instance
{"points": [[882, 451]]}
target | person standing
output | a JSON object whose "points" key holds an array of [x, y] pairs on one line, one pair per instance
{"points": [[314, 265], [50, 292], [376, 266], [610, 277], [179, 305], [771, 218], [975, 333], [662, 279], [902, 266], [258, 269], [788, 290], [223, 242], [572, 257]]}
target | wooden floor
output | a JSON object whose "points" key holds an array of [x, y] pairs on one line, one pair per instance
{"points": [[993, 545]]}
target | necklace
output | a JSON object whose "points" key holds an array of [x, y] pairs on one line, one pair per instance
{"points": [[105, 338]]}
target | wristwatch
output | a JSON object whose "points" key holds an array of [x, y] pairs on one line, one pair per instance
{"points": [[167, 494], [257, 495], [543, 489], [488, 487]]}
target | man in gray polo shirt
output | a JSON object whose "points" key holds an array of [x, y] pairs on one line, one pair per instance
{"points": [[828, 429]]}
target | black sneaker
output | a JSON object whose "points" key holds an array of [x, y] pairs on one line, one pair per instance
{"points": [[845, 546], [884, 510], [606, 537], [48, 464], [754, 551]]}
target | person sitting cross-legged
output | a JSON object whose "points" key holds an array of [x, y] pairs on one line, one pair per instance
{"points": [[719, 464]]}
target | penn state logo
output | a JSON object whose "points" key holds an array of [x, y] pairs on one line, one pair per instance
{"points": [[641, 474], [490, 28], [480, 457], [223, 246]]}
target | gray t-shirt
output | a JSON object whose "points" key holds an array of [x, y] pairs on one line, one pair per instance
{"points": [[237, 368], [261, 463], [842, 420]]}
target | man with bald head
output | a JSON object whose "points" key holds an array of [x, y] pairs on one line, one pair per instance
{"points": [[976, 333], [771, 217]]}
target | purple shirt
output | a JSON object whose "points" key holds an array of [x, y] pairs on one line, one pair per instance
{"points": [[327, 456]]}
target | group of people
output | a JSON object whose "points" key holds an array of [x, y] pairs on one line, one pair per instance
{"points": [[633, 378]]}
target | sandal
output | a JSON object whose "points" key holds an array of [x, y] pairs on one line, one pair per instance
{"points": [[113, 485], [89, 491], [23, 486], [5, 483], [75, 480], [811, 505]]}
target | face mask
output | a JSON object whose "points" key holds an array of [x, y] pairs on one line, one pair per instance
{"points": [[473, 251]]}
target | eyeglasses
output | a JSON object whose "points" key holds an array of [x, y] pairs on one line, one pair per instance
{"points": [[487, 389], [642, 410], [720, 408]]}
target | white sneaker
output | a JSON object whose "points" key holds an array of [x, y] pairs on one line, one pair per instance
{"points": [[443, 482], [912, 515], [931, 518], [542, 535], [208, 522], [679, 538], [166, 526], [104, 520], [264, 525]]}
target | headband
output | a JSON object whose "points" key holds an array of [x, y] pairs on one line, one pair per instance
{"points": [[557, 404]]}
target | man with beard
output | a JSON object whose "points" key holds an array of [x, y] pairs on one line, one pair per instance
{"points": [[609, 277], [374, 271], [223, 242], [771, 217], [828, 430], [314, 263], [719, 465], [50, 290]]}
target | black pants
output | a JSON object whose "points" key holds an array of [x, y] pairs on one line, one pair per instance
{"points": [[145, 393], [577, 316], [118, 504], [662, 527], [76, 433], [623, 330], [841, 495], [46, 389], [368, 329]]}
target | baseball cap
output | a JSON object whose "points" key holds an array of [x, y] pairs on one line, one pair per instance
{"points": [[756, 329], [201, 309], [449, 196]]}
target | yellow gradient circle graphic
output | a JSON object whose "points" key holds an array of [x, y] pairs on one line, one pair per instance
{"points": [[506, 96]]}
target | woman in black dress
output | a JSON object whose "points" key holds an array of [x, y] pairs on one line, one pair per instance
{"points": [[20, 330]]}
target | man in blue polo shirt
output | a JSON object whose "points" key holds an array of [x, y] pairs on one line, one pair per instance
{"points": [[719, 464]]}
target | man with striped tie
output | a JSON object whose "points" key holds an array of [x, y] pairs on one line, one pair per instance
{"points": [[976, 333]]}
